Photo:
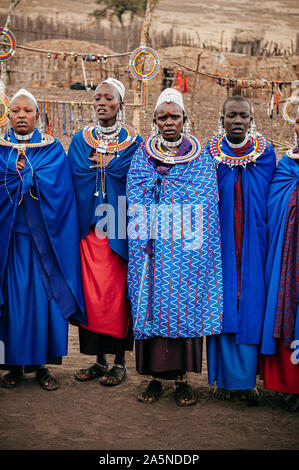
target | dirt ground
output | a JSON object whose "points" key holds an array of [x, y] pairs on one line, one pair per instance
{"points": [[88, 416]]}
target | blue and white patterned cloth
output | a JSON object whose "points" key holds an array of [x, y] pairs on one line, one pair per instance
{"points": [[175, 269]]}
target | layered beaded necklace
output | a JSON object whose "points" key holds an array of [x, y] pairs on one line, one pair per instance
{"points": [[153, 146], [21, 148], [219, 155], [106, 140]]}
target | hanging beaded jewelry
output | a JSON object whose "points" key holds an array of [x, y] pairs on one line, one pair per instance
{"points": [[104, 143]]}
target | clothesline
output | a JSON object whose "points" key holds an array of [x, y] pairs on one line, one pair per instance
{"points": [[81, 103], [238, 82], [87, 56]]}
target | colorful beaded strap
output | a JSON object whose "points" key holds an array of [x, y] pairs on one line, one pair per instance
{"points": [[152, 145], [220, 156], [112, 147]]}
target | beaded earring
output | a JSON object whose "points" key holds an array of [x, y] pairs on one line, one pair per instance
{"points": [[252, 129], [296, 142], [220, 128], [187, 128], [121, 115], [94, 116], [154, 129]]}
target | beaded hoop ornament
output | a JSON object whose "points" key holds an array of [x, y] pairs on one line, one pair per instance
{"points": [[152, 144], [5, 101], [290, 100], [132, 66], [112, 148], [220, 156], [290, 153], [11, 43]]}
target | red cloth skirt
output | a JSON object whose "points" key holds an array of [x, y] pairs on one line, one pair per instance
{"points": [[104, 282], [278, 372]]}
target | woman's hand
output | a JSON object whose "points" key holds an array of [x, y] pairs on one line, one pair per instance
{"points": [[93, 157], [21, 163]]}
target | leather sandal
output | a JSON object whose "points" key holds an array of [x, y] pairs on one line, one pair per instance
{"points": [[117, 372], [92, 372], [12, 378], [46, 380]]}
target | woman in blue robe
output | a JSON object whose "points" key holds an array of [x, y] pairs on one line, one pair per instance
{"points": [[174, 271], [245, 167], [279, 364], [40, 284], [100, 156]]}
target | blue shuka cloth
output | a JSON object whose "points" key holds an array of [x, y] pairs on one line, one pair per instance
{"points": [[39, 252], [85, 180], [285, 179], [246, 321], [174, 270]]}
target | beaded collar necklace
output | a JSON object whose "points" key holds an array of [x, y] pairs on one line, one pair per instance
{"points": [[23, 137], [168, 144], [106, 143], [220, 156], [152, 146], [240, 144], [95, 142], [21, 148], [107, 130]]}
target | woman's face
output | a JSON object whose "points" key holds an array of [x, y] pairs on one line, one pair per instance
{"points": [[23, 115], [169, 118], [236, 120], [106, 103]]}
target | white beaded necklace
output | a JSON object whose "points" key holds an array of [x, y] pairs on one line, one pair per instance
{"points": [[170, 145], [23, 137], [239, 145]]}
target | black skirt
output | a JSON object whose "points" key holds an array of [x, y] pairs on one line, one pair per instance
{"points": [[166, 358], [92, 343]]}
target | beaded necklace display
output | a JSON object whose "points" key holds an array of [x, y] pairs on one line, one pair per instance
{"points": [[154, 149], [105, 143], [232, 161], [21, 148]]}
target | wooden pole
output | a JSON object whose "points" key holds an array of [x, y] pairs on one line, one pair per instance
{"points": [[12, 6], [143, 42], [192, 123]]}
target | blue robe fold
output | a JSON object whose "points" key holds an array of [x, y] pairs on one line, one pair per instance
{"points": [[285, 179], [174, 270], [89, 206], [247, 319], [39, 239]]}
